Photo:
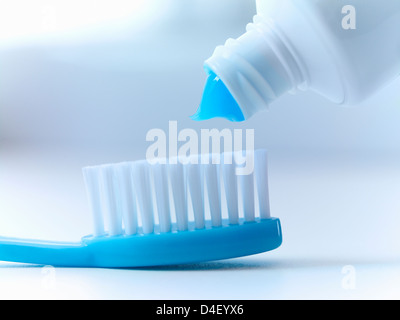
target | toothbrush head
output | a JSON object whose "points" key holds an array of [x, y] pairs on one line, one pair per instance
{"points": [[181, 211]]}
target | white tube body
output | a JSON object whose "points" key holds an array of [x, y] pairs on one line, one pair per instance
{"points": [[345, 50]]}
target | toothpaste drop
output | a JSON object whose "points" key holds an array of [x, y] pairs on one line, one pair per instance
{"points": [[217, 102]]}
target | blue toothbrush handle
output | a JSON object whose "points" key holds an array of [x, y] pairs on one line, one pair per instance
{"points": [[149, 250], [44, 253]]}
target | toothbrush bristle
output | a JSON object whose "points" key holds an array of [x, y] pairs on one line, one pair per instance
{"points": [[141, 198]]}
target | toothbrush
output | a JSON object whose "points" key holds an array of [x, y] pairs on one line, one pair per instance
{"points": [[154, 215]]}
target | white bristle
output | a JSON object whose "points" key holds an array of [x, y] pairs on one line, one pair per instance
{"points": [[212, 182], [142, 198], [109, 201], [91, 178], [141, 180], [231, 192], [178, 188], [127, 198], [261, 177], [246, 184], [196, 191], [160, 179]]}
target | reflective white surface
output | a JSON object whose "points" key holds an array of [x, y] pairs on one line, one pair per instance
{"points": [[336, 209]]}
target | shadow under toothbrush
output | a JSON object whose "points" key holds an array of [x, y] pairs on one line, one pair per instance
{"points": [[276, 264]]}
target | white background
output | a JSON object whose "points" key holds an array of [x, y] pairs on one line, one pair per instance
{"points": [[83, 82]]}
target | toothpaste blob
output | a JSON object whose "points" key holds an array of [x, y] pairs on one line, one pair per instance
{"points": [[217, 102]]}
